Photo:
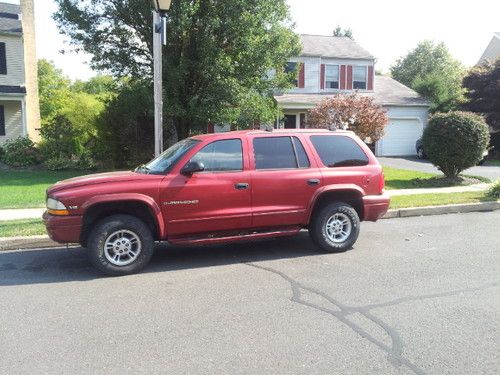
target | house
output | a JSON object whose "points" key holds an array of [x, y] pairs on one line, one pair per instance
{"points": [[492, 51], [19, 105], [330, 65]]}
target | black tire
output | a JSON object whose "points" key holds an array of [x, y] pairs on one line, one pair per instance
{"points": [[107, 227], [318, 230]]}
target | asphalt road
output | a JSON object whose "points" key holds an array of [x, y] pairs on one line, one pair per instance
{"points": [[416, 295], [491, 172]]}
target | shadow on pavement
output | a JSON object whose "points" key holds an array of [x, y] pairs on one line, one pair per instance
{"points": [[62, 265]]}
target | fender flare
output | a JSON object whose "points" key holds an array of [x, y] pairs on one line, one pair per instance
{"points": [[332, 188], [131, 197]]}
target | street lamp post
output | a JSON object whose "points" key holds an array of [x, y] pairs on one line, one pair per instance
{"points": [[159, 40]]}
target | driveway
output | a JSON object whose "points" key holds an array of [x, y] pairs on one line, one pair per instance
{"points": [[416, 164], [415, 296]]}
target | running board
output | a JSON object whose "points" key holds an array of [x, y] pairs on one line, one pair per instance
{"points": [[246, 236]]}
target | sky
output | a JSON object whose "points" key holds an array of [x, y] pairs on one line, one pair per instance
{"points": [[386, 28]]}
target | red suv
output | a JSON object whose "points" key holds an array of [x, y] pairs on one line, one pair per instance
{"points": [[219, 188]]}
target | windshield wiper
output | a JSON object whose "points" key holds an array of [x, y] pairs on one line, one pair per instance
{"points": [[143, 168]]}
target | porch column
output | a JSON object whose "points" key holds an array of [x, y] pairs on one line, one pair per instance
{"points": [[23, 117]]}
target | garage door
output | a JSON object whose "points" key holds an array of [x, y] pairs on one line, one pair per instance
{"points": [[400, 137]]}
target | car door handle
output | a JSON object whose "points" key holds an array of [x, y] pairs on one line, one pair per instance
{"points": [[241, 186], [313, 182]]}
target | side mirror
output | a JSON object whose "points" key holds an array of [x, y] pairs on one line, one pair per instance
{"points": [[192, 167]]}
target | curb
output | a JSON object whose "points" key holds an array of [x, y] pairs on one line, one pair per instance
{"points": [[42, 242], [30, 242], [441, 210]]}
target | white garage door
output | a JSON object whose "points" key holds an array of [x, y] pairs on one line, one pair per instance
{"points": [[400, 137]]}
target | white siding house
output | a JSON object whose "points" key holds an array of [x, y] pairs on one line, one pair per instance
{"points": [[19, 111], [330, 65]]}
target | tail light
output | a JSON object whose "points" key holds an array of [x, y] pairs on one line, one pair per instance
{"points": [[381, 183]]}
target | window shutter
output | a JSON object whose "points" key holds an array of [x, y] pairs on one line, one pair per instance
{"points": [[370, 77], [349, 77], [3, 59], [2, 120], [342, 77], [302, 77], [322, 77]]}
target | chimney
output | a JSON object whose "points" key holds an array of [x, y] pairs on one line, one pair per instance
{"points": [[30, 70]]}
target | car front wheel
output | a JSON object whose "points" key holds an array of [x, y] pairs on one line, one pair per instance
{"points": [[335, 228], [120, 245]]}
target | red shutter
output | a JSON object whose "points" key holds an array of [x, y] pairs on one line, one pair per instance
{"points": [[322, 77], [210, 128], [342, 77], [370, 77], [349, 77], [302, 76]]}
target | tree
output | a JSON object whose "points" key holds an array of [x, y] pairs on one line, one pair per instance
{"points": [[218, 53], [430, 70], [455, 141], [483, 92], [350, 111], [53, 89], [338, 31]]}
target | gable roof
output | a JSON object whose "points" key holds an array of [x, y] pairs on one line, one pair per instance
{"points": [[332, 46], [387, 91], [492, 51], [9, 19]]}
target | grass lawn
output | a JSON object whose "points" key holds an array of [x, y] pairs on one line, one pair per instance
{"points": [[26, 189], [17, 228], [420, 200], [407, 179]]}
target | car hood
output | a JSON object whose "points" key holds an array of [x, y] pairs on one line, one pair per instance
{"points": [[97, 178]]}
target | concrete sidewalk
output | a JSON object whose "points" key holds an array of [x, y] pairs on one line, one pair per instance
{"points": [[21, 213], [452, 189], [36, 213]]}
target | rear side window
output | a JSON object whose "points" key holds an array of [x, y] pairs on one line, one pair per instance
{"points": [[279, 153], [338, 151], [221, 156]]}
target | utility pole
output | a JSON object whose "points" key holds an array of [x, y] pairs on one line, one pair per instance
{"points": [[159, 40]]}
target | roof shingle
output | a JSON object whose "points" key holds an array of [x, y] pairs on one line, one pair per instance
{"points": [[332, 46]]}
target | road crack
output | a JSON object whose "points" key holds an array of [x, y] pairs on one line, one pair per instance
{"points": [[341, 311]]}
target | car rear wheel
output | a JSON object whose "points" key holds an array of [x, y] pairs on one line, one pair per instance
{"points": [[120, 245], [335, 228]]}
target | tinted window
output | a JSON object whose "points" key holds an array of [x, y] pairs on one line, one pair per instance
{"points": [[220, 156], [302, 159], [338, 151], [274, 153]]}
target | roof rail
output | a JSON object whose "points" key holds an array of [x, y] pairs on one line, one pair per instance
{"points": [[332, 127], [269, 128]]}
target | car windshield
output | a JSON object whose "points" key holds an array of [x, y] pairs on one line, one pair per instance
{"points": [[166, 161]]}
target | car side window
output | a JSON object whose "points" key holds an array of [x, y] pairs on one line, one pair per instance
{"points": [[302, 159], [221, 156], [338, 151], [279, 153]]}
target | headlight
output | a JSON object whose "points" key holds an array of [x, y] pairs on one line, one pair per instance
{"points": [[54, 207]]}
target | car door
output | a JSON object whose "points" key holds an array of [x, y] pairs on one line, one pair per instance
{"points": [[215, 199], [284, 180]]}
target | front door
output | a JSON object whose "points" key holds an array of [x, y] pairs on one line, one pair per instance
{"points": [[290, 121], [216, 199], [283, 182]]}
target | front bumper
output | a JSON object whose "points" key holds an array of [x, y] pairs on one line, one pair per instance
{"points": [[375, 206], [63, 229]]}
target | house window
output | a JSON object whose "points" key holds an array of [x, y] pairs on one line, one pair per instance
{"points": [[359, 78], [3, 59], [331, 76], [2, 120], [291, 67]]}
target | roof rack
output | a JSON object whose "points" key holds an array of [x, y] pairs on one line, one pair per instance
{"points": [[269, 128]]}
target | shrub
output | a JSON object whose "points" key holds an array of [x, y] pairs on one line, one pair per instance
{"points": [[21, 152], [455, 141], [494, 190], [59, 163]]}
